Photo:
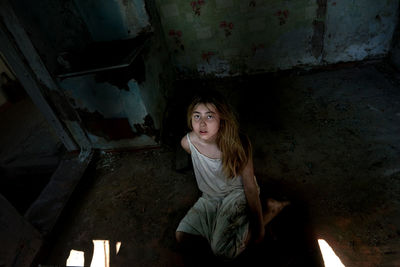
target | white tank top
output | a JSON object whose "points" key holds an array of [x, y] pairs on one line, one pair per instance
{"points": [[209, 175]]}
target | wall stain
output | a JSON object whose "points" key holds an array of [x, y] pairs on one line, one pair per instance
{"points": [[317, 40], [108, 128]]}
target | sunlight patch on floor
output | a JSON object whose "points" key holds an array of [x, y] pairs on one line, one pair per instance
{"points": [[76, 258], [101, 253], [117, 247], [329, 256], [100, 258]]}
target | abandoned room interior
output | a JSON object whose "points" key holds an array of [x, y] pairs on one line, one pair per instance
{"points": [[93, 103]]}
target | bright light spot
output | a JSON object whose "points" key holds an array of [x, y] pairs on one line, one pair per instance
{"points": [[76, 258], [329, 256], [117, 247], [101, 253]]}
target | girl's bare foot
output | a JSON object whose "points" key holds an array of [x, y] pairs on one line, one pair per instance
{"points": [[273, 208]]}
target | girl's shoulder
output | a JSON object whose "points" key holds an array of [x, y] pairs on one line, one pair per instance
{"points": [[185, 143]]}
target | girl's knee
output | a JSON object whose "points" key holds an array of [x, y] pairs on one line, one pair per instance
{"points": [[228, 246], [223, 251]]}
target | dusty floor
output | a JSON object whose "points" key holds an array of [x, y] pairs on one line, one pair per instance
{"points": [[329, 141]]}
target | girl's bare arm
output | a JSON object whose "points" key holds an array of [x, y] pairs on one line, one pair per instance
{"points": [[257, 230], [185, 144]]}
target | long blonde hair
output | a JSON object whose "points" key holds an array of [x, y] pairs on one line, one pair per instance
{"points": [[235, 147]]}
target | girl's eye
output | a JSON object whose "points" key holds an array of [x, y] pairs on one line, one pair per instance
{"points": [[196, 117], [210, 117]]}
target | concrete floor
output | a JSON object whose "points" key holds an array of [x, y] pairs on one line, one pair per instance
{"points": [[329, 141]]}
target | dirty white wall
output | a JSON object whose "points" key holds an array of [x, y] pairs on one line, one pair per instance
{"points": [[356, 30], [232, 37]]}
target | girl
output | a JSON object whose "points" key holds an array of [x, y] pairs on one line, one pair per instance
{"points": [[229, 213]]}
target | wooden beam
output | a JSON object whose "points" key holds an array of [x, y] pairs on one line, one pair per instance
{"points": [[17, 48]]}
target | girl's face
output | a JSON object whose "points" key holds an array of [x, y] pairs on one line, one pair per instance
{"points": [[205, 122]]}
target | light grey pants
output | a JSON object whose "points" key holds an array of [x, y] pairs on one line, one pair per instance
{"points": [[222, 221]]}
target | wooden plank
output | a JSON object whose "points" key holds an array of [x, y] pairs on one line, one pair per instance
{"points": [[20, 242], [45, 211]]}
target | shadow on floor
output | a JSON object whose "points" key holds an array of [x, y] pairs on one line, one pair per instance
{"points": [[30, 152], [289, 241]]}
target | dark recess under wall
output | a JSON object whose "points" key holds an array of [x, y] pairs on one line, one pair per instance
{"points": [[108, 128], [121, 77], [117, 128], [102, 56], [22, 187]]}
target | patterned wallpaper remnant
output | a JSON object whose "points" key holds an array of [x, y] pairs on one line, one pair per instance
{"points": [[176, 35], [227, 27], [282, 16], [207, 56], [233, 37], [196, 6]]}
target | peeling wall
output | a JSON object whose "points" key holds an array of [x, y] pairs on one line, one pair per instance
{"points": [[119, 108], [126, 110], [109, 113], [123, 115], [113, 19], [232, 37]]}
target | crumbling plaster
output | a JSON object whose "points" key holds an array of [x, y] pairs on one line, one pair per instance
{"points": [[89, 96]]}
